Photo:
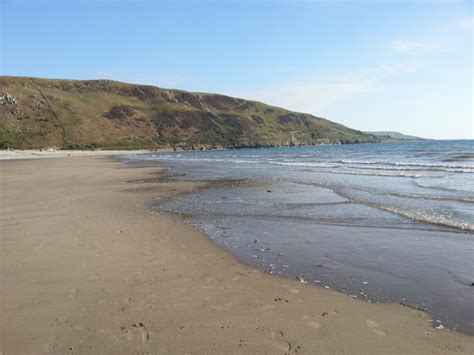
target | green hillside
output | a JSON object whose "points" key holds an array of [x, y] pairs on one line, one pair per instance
{"points": [[39, 113]]}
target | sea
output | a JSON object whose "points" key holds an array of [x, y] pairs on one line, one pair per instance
{"points": [[383, 222]]}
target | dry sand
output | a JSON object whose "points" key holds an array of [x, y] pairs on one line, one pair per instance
{"points": [[15, 154], [86, 268]]}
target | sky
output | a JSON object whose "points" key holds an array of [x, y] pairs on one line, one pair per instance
{"points": [[371, 65]]}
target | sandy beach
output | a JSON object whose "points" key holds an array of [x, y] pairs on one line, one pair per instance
{"points": [[87, 268]]}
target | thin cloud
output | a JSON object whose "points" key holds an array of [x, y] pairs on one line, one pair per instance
{"points": [[314, 94], [406, 46], [384, 70], [310, 97], [467, 22]]}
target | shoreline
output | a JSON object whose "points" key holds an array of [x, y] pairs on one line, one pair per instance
{"points": [[262, 254], [87, 268]]}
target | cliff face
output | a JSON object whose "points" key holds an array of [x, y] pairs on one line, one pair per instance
{"points": [[39, 113]]}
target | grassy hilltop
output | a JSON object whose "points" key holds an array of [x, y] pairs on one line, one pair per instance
{"points": [[40, 113]]}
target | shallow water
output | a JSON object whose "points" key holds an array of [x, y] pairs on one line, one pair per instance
{"points": [[381, 222]]}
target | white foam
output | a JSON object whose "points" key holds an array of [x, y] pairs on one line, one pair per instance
{"points": [[428, 218]]}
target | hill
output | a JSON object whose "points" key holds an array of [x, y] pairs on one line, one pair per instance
{"points": [[39, 113], [390, 135]]}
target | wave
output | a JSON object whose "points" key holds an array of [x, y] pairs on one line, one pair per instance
{"points": [[212, 160], [405, 212], [467, 167], [341, 172], [463, 199], [460, 157], [411, 168], [434, 197], [441, 188], [419, 216], [307, 165], [379, 166], [428, 218]]}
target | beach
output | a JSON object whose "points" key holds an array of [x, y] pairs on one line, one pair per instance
{"points": [[387, 222], [86, 267]]}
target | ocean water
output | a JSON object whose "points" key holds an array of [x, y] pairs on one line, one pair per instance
{"points": [[379, 222]]}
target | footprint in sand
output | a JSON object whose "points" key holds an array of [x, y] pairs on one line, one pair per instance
{"points": [[311, 322], [94, 276], [233, 300], [73, 293], [50, 345], [275, 338], [375, 327], [137, 331], [243, 342]]}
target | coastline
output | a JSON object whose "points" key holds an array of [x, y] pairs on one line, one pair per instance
{"points": [[87, 268]]}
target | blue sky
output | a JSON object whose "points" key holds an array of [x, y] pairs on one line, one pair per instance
{"points": [[371, 65]]}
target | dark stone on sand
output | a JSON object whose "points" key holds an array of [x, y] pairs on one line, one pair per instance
{"points": [[424, 309]]}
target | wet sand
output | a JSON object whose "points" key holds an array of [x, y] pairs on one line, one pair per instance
{"points": [[312, 233], [86, 268]]}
